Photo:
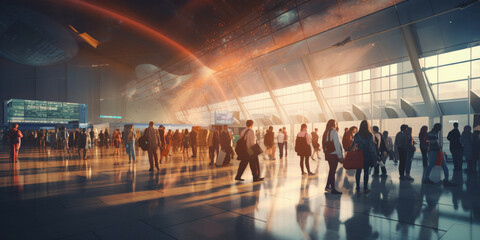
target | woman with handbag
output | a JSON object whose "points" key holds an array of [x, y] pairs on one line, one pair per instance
{"points": [[303, 149], [363, 140], [333, 153]]}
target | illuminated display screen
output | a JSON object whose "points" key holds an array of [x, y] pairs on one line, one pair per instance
{"points": [[223, 118], [32, 111]]}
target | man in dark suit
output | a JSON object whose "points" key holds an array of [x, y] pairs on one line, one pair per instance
{"points": [[193, 142], [226, 144], [153, 140]]}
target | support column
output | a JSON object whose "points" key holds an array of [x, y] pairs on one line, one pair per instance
{"points": [[412, 50], [281, 111], [422, 80], [318, 92]]}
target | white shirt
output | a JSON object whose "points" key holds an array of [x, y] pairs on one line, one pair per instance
{"points": [[280, 137], [336, 142]]}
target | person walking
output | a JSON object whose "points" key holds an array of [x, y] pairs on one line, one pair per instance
{"points": [[315, 144], [213, 144], [117, 139], [83, 141], [129, 140], [269, 142], [401, 150], [41, 138], [422, 137], [410, 147], [455, 147], [63, 139], [252, 159], [106, 138], [476, 150], [14, 141], [363, 140], [466, 139], [193, 142], [153, 140], [176, 141], [101, 138], [382, 152], [304, 149], [285, 140], [168, 144], [226, 144], [185, 141], [92, 136], [161, 134], [433, 151], [333, 153], [280, 142], [388, 145]]}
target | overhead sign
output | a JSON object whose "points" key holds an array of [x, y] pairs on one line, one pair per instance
{"points": [[33, 111], [111, 117], [223, 118]]}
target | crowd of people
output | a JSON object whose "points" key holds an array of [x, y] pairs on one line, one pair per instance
{"points": [[377, 147]]}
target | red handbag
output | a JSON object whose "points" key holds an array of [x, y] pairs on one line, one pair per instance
{"points": [[353, 160], [439, 158]]}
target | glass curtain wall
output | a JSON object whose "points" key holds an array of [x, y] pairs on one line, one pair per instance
{"points": [[359, 68]]}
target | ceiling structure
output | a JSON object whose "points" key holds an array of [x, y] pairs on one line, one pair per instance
{"points": [[117, 24], [227, 49]]}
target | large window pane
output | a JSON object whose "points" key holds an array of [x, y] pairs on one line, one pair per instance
{"points": [[412, 94], [476, 85], [408, 80], [476, 52], [432, 75], [377, 84], [453, 72], [453, 90], [365, 86], [476, 69], [431, 61], [453, 57]]}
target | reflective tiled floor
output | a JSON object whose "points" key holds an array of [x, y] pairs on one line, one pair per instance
{"points": [[54, 195]]}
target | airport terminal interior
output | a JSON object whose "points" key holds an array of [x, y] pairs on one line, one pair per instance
{"points": [[126, 119]]}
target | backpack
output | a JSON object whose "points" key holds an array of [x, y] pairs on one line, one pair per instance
{"points": [[241, 148], [301, 146], [13, 138], [143, 140], [143, 143], [364, 145]]}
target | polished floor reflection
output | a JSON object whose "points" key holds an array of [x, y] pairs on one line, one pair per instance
{"points": [[54, 195]]}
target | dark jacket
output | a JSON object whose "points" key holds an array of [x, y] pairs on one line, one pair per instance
{"points": [[423, 140], [370, 154], [153, 137], [269, 139], [225, 139], [193, 137], [454, 138]]}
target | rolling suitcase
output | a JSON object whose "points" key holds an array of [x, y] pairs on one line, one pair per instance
{"points": [[220, 158]]}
